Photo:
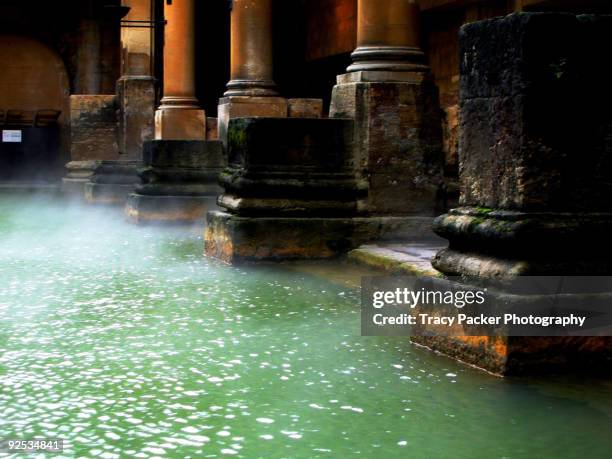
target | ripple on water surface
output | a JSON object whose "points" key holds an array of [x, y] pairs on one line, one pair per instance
{"points": [[127, 342]]}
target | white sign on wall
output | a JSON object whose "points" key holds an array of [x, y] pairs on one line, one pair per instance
{"points": [[11, 136]]}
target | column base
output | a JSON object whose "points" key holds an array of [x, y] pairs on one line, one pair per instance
{"points": [[382, 76], [79, 173], [526, 355], [179, 123], [491, 243], [112, 194], [143, 209], [249, 107], [388, 58], [236, 240], [179, 182], [112, 182]]}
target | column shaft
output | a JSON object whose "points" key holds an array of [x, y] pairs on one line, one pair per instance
{"points": [[388, 36], [179, 54], [89, 77], [179, 117], [251, 49]]}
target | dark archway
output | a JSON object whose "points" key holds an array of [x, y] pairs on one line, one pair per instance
{"points": [[34, 99]]}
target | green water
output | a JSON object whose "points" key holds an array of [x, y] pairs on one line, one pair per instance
{"points": [[126, 342]]}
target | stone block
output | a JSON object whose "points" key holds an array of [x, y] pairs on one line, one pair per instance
{"points": [[535, 115], [192, 154], [168, 209], [294, 166], [248, 106], [93, 127], [112, 182], [176, 123], [179, 181], [397, 134], [305, 108]]}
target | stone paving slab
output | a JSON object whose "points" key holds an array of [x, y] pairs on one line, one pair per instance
{"points": [[401, 258]]}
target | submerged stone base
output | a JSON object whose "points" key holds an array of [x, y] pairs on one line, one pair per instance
{"points": [[179, 181], [142, 209], [527, 355], [236, 239], [107, 193], [78, 174], [112, 182]]}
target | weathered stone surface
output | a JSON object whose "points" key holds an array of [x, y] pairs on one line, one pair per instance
{"points": [[191, 154], [535, 161], [112, 182], [248, 106], [136, 97], [179, 181], [535, 149], [177, 123], [535, 118], [93, 127], [78, 173], [398, 142], [212, 128], [305, 108], [291, 166], [236, 239], [412, 257], [520, 356], [294, 178]]}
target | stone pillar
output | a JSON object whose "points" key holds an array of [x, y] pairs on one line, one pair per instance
{"points": [[387, 38], [93, 117], [535, 167], [251, 91], [251, 49], [136, 86], [88, 79], [389, 93], [113, 179], [179, 117]]}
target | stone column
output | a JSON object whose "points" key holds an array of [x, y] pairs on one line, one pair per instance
{"points": [[387, 38], [136, 87], [93, 118], [88, 74], [251, 91], [535, 168], [390, 94], [179, 117], [251, 49]]}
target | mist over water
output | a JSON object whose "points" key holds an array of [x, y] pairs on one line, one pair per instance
{"points": [[127, 342]]}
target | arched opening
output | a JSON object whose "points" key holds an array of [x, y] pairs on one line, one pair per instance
{"points": [[34, 106]]}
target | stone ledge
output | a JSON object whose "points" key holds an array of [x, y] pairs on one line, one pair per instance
{"points": [[412, 258]]}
